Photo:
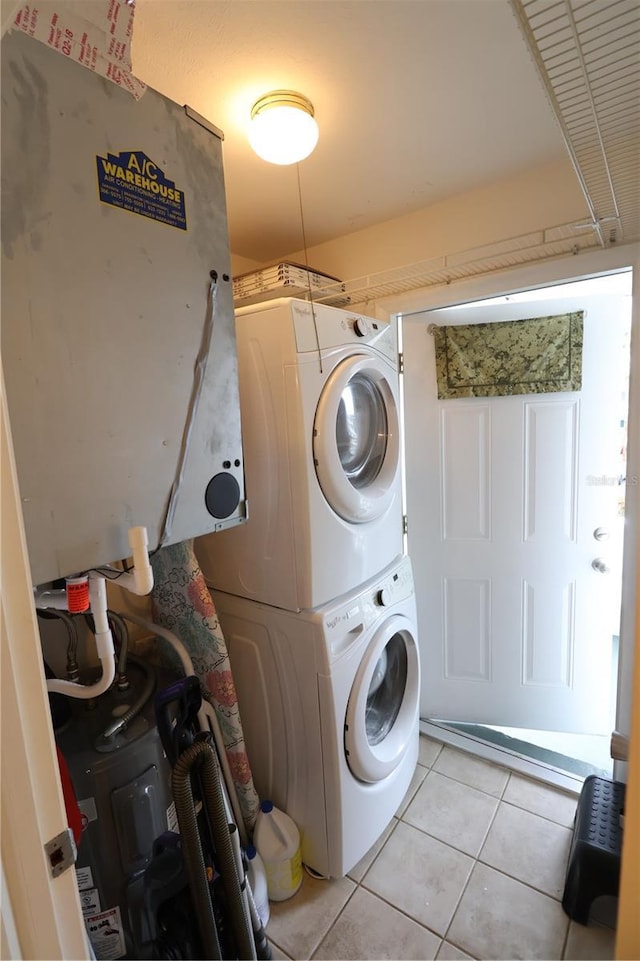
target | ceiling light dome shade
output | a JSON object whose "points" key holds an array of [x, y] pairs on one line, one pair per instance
{"points": [[283, 129]]}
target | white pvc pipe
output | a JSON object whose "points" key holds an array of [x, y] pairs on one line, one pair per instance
{"points": [[174, 641], [104, 647], [140, 579]]}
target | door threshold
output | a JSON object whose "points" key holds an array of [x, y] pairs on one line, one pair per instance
{"points": [[535, 769]]}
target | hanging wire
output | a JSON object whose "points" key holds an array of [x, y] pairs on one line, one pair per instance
{"points": [[306, 263]]}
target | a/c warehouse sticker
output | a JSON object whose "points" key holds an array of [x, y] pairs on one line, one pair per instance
{"points": [[132, 181]]}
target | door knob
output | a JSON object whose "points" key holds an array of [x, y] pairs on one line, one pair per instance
{"points": [[601, 534], [600, 565]]}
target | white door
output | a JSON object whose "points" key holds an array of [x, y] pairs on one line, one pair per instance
{"points": [[505, 497], [356, 439]]}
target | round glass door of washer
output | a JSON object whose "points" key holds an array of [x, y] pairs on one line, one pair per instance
{"points": [[382, 713]]}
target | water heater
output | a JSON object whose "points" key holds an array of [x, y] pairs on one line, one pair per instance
{"points": [[118, 341]]}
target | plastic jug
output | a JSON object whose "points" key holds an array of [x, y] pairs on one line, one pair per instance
{"points": [[258, 880], [278, 842]]}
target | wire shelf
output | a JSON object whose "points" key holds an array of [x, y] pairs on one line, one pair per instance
{"points": [[524, 249], [587, 53]]}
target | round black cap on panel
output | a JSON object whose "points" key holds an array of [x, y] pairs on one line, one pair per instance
{"points": [[222, 495]]}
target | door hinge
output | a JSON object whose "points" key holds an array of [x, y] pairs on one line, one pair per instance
{"points": [[401, 363], [61, 852], [405, 524]]}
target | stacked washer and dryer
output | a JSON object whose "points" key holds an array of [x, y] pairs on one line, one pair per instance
{"points": [[314, 595]]}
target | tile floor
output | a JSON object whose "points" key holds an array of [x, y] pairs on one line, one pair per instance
{"points": [[472, 866]]}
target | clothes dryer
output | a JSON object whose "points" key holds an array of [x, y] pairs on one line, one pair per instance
{"points": [[319, 405], [329, 704]]}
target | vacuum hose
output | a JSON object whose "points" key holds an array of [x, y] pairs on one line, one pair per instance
{"points": [[203, 753]]}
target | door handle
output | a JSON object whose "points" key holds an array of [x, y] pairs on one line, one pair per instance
{"points": [[600, 565]]}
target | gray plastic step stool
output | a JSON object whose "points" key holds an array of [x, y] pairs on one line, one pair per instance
{"points": [[594, 859]]}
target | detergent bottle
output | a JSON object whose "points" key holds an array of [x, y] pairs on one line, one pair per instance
{"points": [[258, 880], [278, 842]]}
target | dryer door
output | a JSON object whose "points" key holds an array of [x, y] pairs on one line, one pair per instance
{"points": [[356, 446], [382, 713]]}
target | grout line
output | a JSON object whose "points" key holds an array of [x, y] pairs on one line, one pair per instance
{"points": [[537, 814], [527, 884], [335, 920], [459, 902], [404, 913], [565, 943]]}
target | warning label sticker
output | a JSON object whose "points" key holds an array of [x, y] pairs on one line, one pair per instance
{"points": [[97, 35], [105, 932], [90, 902], [132, 181], [84, 878]]}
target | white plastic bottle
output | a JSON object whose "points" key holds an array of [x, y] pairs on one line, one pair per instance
{"points": [[278, 842], [258, 880]]}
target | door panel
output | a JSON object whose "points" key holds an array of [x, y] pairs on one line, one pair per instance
{"points": [[503, 497]]}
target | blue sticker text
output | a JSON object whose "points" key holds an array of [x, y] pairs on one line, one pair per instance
{"points": [[132, 181]]}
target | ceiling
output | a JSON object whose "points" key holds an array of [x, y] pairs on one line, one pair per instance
{"points": [[416, 100]]}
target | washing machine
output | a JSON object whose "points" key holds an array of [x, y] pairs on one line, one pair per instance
{"points": [[329, 705], [319, 401]]}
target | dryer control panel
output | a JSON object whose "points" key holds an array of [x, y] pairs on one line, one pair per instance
{"points": [[322, 327]]}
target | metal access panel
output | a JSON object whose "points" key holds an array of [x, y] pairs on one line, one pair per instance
{"points": [[119, 354]]}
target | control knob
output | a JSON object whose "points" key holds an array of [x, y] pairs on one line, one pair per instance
{"points": [[361, 326], [384, 597]]}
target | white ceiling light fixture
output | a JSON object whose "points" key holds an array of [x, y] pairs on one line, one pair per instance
{"points": [[283, 128]]}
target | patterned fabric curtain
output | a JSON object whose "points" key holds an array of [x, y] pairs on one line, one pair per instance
{"points": [[181, 602], [536, 356]]}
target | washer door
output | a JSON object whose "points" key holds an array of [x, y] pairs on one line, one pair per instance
{"points": [[356, 446], [382, 712]]}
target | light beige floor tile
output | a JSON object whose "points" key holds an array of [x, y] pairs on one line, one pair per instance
{"points": [[592, 943], [428, 750], [419, 875], [370, 928], [360, 869], [452, 812], [473, 771], [298, 925], [542, 799], [277, 954], [449, 952], [529, 848], [500, 918], [419, 775]]}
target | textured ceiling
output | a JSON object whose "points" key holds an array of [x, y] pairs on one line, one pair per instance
{"points": [[416, 100]]}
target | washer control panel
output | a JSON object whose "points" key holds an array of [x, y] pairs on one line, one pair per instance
{"points": [[344, 623], [396, 587]]}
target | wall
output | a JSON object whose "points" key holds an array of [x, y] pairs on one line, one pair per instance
{"points": [[541, 198], [242, 265]]}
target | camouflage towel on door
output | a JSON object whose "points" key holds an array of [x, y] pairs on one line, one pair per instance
{"points": [[536, 356]]}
